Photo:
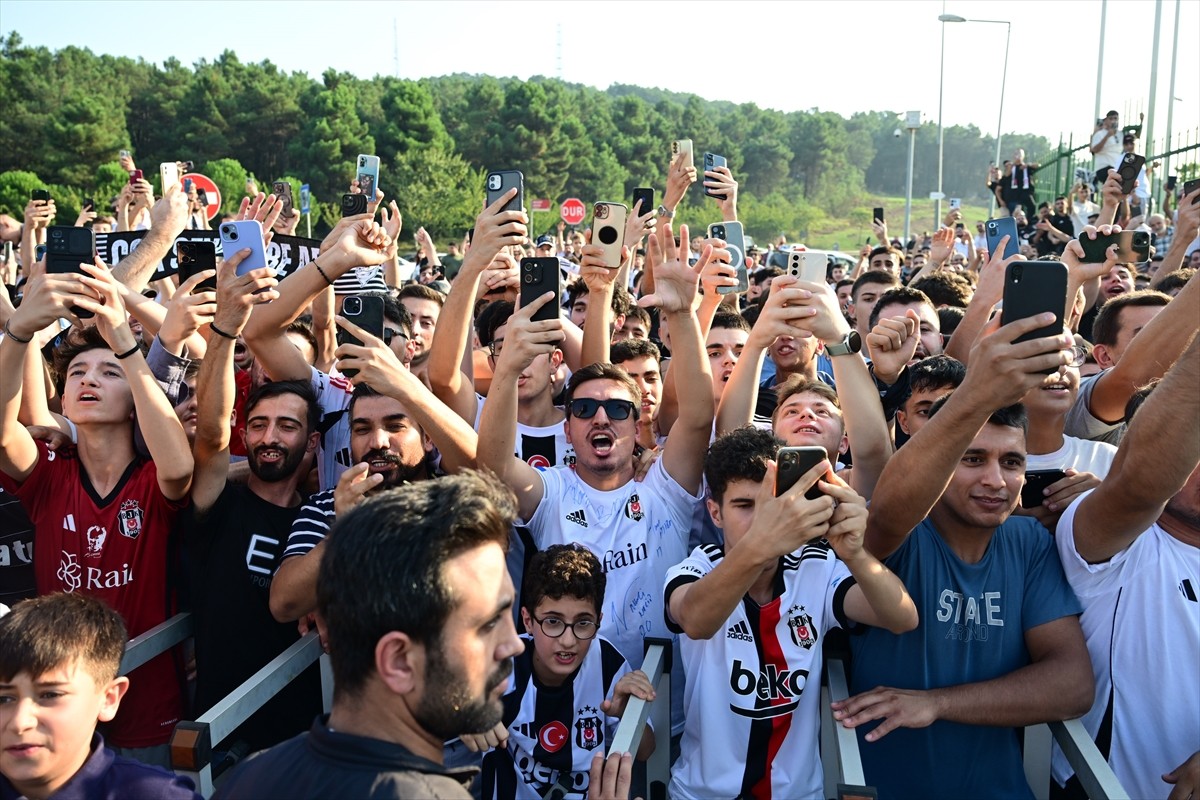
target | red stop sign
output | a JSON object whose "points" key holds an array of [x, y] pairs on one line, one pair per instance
{"points": [[211, 192], [572, 211]]}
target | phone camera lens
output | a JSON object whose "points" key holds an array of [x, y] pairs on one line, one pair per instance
{"points": [[57, 234], [1018, 271], [528, 277]]}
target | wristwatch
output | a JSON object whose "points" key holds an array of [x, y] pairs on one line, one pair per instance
{"points": [[851, 343], [663, 211]]}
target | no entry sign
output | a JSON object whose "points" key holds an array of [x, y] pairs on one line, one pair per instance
{"points": [[573, 211], [211, 193]]}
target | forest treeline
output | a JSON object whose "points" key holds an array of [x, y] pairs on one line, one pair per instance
{"points": [[68, 112]]}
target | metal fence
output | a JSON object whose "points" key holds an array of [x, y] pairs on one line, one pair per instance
{"points": [[1064, 167]]}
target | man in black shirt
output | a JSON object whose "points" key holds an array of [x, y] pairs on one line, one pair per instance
{"points": [[235, 533]]}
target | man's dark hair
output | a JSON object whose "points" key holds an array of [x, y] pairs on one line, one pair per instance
{"points": [[54, 630], [945, 289], [949, 318], [622, 301], [1176, 280], [420, 291], [394, 311], [899, 296], [1013, 416], [601, 371], [1108, 323], [935, 372], [873, 276], [302, 389], [761, 276], [575, 291], [729, 319], [640, 314], [563, 570], [628, 349], [888, 249], [740, 455], [74, 343], [384, 567], [798, 384], [493, 315], [844, 282]]}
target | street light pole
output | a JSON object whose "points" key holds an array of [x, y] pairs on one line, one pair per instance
{"points": [[937, 202], [912, 121], [944, 18]]}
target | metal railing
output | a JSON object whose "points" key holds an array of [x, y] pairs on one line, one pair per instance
{"points": [[192, 743], [657, 666]]}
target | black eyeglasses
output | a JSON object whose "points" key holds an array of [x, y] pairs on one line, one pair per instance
{"points": [[586, 408], [554, 627], [389, 334]]}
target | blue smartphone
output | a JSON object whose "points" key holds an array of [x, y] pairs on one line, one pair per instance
{"points": [[997, 229], [239, 235], [368, 175]]}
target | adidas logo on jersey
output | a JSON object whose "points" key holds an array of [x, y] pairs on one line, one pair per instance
{"points": [[740, 631], [577, 517]]}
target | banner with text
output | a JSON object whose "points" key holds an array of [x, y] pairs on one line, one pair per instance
{"points": [[285, 254]]}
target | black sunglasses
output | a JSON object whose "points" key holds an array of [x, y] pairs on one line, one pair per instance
{"points": [[586, 408]]}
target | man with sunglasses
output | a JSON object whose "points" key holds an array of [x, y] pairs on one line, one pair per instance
{"points": [[636, 529]]}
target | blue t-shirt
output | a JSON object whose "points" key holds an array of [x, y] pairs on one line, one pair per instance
{"points": [[973, 623]]}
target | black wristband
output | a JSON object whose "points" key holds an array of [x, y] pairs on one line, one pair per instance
{"points": [[129, 352], [220, 332], [323, 275], [8, 332]]}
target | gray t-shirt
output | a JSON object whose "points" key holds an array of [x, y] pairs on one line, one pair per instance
{"points": [[1082, 424]]}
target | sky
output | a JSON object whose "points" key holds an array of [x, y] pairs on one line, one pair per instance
{"points": [[847, 56]]}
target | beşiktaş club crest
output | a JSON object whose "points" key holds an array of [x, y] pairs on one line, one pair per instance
{"points": [[633, 508], [129, 519], [588, 732], [800, 626]]}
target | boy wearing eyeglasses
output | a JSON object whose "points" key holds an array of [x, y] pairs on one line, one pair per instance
{"points": [[569, 688]]}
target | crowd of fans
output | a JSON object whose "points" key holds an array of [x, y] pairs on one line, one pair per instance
{"points": [[591, 477]]}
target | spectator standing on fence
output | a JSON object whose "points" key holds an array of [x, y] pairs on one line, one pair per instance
{"points": [[1106, 147]]}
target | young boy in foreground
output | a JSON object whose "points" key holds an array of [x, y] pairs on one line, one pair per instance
{"points": [[59, 657], [567, 695]]}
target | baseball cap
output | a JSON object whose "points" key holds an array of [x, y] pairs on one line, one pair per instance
{"points": [[544, 241], [1129, 138]]}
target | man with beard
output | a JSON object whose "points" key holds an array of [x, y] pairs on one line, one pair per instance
{"points": [[234, 533], [419, 605], [395, 423]]}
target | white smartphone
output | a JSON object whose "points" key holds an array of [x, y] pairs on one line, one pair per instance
{"points": [[810, 267], [169, 172], [955, 203], [683, 146], [608, 231]]}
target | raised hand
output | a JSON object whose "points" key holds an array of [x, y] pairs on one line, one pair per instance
{"points": [[674, 281], [719, 181], [892, 343]]}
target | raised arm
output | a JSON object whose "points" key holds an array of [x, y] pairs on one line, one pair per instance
{"points": [[781, 316], [1148, 356], [1186, 226], [47, 298], [915, 477], [214, 385], [781, 525], [354, 242], [989, 291], [523, 342], [168, 217], [674, 296], [598, 324], [1145, 474], [494, 230], [862, 413], [378, 367], [165, 438]]}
